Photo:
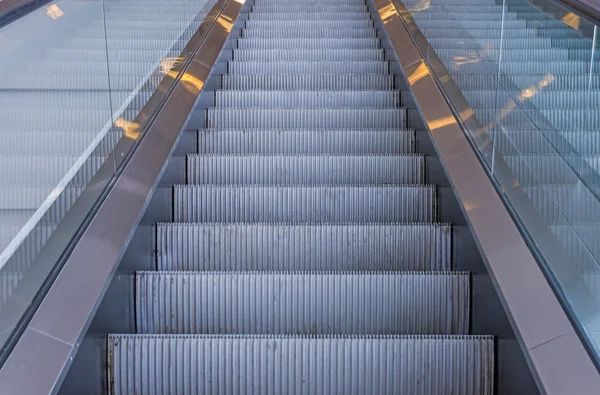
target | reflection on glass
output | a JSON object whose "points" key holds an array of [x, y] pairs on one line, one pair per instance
{"points": [[531, 74], [75, 76]]}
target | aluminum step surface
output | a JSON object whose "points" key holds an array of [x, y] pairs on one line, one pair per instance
{"points": [[309, 43], [302, 55], [322, 31], [285, 247], [346, 141], [306, 118], [305, 169], [308, 67], [308, 99], [416, 365], [325, 81], [316, 204], [308, 24], [306, 304]]}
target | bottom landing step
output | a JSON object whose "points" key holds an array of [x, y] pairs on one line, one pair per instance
{"points": [[201, 364]]}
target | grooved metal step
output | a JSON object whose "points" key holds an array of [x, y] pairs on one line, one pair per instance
{"points": [[303, 118], [330, 81], [309, 16], [302, 55], [322, 31], [347, 141], [308, 99], [308, 24], [315, 204], [314, 8], [416, 365], [272, 247], [309, 43], [308, 67], [305, 170], [307, 303]]}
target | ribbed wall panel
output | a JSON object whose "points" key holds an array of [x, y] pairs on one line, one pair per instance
{"points": [[45, 171], [309, 16], [309, 82], [564, 204], [407, 365], [308, 67], [309, 43], [315, 32], [305, 169], [539, 170], [49, 143], [307, 303], [308, 99], [303, 118], [266, 247], [314, 142], [385, 204]]}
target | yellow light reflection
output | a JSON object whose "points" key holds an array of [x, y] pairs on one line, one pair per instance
{"points": [[525, 94], [226, 22], [168, 63], [449, 120], [422, 5], [420, 72], [132, 129], [54, 12], [571, 20], [471, 58], [387, 12]]}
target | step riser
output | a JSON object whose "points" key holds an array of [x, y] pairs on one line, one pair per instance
{"points": [[303, 248], [308, 82], [305, 67], [308, 99], [304, 170], [308, 304], [316, 32], [304, 204], [306, 142], [303, 43], [298, 366], [312, 55], [306, 119]]}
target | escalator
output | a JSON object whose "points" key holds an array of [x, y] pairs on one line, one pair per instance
{"points": [[305, 229], [305, 252]]}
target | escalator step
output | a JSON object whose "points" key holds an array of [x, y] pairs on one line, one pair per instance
{"points": [[236, 364], [325, 81], [308, 67], [308, 99], [304, 55], [315, 32], [302, 118], [307, 204], [347, 141], [309, 16], [308, 24], [309, 43], [314, 8], [307, 303], [268, 247], [305, 169]]}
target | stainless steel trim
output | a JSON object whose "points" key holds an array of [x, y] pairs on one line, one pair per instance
{"points": [[556, 355], [44, 352]]}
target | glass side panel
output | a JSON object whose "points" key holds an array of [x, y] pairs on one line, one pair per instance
{"points": [[75, 78], [530, 71]]}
